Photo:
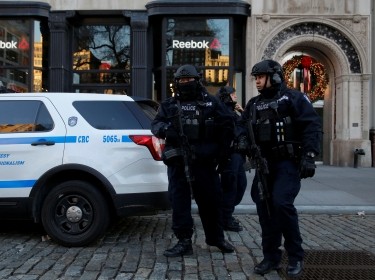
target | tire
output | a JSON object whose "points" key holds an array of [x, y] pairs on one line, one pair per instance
{"points": [[75, 213]]}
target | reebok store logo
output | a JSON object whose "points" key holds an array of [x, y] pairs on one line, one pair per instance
{"points": [[192, 44], [8, 45]]}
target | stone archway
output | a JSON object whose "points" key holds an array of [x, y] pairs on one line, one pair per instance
{"points": [[346, 121], [323, 51]]}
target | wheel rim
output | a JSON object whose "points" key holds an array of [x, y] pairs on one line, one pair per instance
{"points": [[73, 214]]}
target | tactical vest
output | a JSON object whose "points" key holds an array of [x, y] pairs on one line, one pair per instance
{"points": [[194, 124], [274, 130]]}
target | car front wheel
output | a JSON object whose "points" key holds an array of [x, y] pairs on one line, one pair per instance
{"points": [[75, 213]]}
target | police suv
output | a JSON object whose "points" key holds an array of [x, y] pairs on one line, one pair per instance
{"points": [[72, 161]]}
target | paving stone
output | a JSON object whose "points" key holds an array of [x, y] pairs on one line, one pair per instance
{"points": [[4, 273], [89, 275], [133, 249], [73, 271]]}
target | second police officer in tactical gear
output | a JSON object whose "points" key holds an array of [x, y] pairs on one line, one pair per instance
{"points": [[287, 131], [198, 131], [233, 174]]}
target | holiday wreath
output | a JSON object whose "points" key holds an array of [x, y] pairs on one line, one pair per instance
{"points": [[319, 77]]}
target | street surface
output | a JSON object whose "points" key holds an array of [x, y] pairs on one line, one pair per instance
{"points": [[337, 213]]}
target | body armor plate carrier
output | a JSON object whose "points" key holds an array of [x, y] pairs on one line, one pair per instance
{"points": [[274, 131]]}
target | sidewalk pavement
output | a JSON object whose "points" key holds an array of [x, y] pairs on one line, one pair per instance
{"points": [[333, 190]]}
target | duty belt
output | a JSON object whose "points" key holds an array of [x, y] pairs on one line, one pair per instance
{"points": [[285, 151]]}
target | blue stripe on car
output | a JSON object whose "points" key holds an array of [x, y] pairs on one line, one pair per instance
{"points": [[125, 138], [29, 140], [17, 184]]}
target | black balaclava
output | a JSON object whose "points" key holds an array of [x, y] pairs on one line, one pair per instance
{"points": [[187, 91]]}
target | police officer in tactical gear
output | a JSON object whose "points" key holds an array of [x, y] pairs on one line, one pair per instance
{"points": [[208, 129], [288, 131], [233, 176]]}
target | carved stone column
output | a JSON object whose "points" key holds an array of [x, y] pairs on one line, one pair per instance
{"points": [[60, 58], [351, 120], [140, 74]]}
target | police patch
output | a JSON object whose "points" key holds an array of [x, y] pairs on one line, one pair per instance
{"points": [[72, 121], [188, 107]]}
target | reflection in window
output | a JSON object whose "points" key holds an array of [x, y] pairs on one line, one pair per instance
{"points": [[24, 116], [198, 41], [38, 59], [201, 42], [13, 80], [21, 58], [102, 55]]}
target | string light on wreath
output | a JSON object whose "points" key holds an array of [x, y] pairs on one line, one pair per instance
{"points": [[319, 77]]}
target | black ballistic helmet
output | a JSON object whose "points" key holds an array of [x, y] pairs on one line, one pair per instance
{"points": [[186, 71], [227, 90], [224, 95], [271, 68]]}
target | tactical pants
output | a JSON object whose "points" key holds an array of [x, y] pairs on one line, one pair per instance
{"points": [[208, 196], [284, 184], [233, 182]]}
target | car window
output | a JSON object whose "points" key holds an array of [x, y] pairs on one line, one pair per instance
{"points": [[24, 116], [149, 110], [107, 114]]}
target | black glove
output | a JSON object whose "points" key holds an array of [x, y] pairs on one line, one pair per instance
{"points": [[242, 144], [223, 165], [223, 158], [172, 136], [253, 152], [307, 168]]}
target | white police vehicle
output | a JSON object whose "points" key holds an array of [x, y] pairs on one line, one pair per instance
{"points": [[72, 161]]}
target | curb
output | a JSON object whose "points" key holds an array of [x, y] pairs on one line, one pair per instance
{"points": [[306, 209]]}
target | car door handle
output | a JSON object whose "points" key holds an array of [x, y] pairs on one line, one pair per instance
{"points": [[45, 143]]}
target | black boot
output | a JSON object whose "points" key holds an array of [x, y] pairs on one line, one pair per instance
{"points": [[232, 225], [224, 246], [183, 247], [266, 266], [294, 269]]}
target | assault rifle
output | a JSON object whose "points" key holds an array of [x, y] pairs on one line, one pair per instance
{"points": [[261, 166], [186, 149]]}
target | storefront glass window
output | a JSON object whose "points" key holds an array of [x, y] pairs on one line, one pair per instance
{"points": [[201, 42], [38, 59], [101, 58], [16, 55], [198, 41]]}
